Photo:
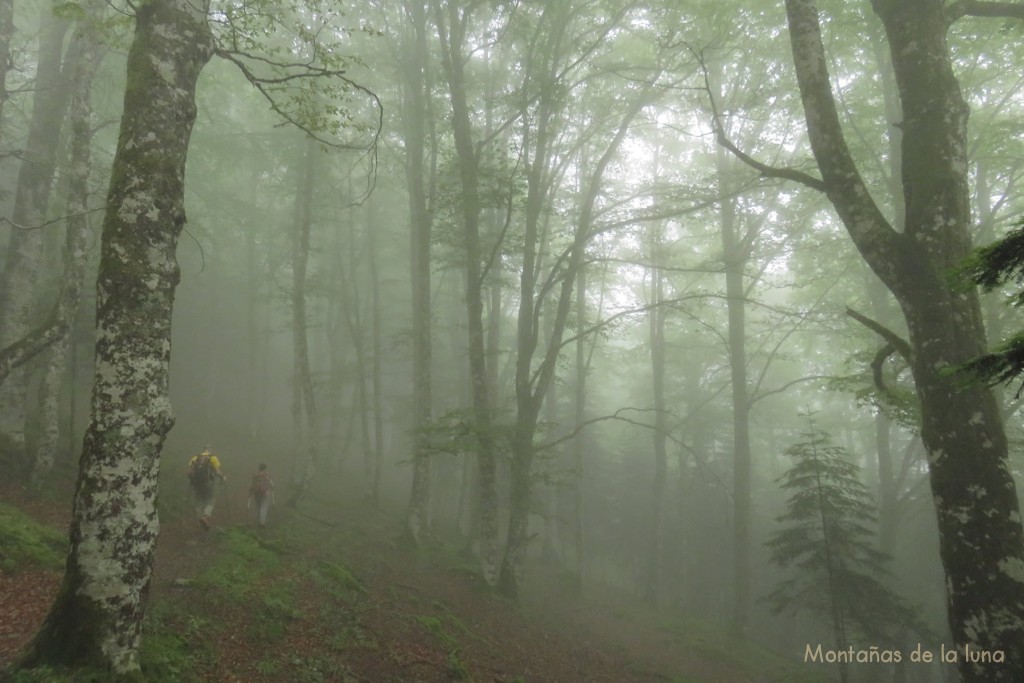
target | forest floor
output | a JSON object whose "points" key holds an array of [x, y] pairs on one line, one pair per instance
{"points": [[330, 595]]}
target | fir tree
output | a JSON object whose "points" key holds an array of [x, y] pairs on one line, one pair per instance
{"points": [[991, 267], [828, 539]]}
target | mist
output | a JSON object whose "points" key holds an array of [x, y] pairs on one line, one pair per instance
{"points": [[648, 304]]}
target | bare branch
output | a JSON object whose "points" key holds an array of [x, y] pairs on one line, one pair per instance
{"points": [[765, 170], [617, 415], [899, 344], [16, 226], [981, 8], [33, 343], [787, 385]]}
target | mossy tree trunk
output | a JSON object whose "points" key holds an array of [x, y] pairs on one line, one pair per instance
{"points": [[980, 532], [96, 619]]}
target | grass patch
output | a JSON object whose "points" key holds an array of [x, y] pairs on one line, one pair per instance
{"points": [[337, 580], [26, 543], [172, 644], [445, 627], [242, 562]]}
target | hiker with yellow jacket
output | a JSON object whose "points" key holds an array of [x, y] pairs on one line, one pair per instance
{"points": [[202, 469]]}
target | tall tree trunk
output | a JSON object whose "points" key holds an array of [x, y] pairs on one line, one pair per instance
{"points": [[377, 403], [256, 296], [580, 407], [96, 619], [308, 448], [6, 34], [354, 314], [77, 238], [734, 256], [981, 539], [420, 224], [452, 33], [656, 319], [32, 195]]}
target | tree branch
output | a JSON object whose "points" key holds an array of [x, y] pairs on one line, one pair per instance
{"points": [[617, 416], [877, 363], [33, 343], [899, 344], [765, 170], [982, 8]]}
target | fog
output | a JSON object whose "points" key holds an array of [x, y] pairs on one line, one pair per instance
{"points": [[572, 286]]}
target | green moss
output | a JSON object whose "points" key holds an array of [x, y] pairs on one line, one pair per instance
{"points": [[26, 543], [456, 669], [436, 626], [337, 580], [171, 646], [242, 562]]}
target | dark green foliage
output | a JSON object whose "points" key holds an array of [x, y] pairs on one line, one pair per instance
{"points": [[991, 267], [828, 538], [998, 263]]}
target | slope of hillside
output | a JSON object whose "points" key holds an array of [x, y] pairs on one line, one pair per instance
{"points": [[331, 596]]}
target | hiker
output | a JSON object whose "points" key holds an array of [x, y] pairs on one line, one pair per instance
{"points": [[261, 492], [202, 469]]}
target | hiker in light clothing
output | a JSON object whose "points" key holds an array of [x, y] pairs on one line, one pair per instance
{"points": [[261, 492]]}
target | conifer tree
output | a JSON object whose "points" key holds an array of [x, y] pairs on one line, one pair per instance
{"points": [[829, 540]]}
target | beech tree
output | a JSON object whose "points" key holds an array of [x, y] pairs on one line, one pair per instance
{"points": [[96, 619], [981, 536]]}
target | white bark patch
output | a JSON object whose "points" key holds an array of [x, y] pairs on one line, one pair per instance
{"points": [[977, 491], [165, 70], [1013, 567]]}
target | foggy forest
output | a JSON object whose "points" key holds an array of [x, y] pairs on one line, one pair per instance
{"points": [[511, 340]]}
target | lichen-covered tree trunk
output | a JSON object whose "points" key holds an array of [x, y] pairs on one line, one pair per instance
{"points": [[31, 197], [980, 534], [76, 241], [96, 618]]}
